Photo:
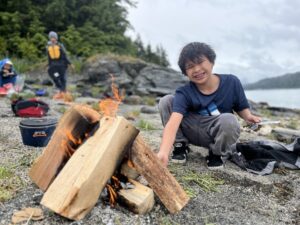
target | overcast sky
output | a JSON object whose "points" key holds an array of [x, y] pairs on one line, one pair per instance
{"points": [[253, 39]]}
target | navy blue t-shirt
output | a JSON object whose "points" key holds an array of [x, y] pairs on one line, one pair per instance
{"points": [[229, 97]]}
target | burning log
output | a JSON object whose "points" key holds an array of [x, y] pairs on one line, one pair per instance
{"points": [[139, 199], [76, 122], [158, 176], [77, 187]]}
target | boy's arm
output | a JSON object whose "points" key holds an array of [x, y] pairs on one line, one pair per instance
{"points": [[168, 138], [242, 105], [246, 115]]}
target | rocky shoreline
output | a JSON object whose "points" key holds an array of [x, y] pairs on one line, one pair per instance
{"points": [[241, 198], [222, 197]]}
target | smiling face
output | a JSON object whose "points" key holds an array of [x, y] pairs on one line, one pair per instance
{"points": [[199, 71]]}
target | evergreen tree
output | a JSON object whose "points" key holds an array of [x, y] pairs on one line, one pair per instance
{"points": [[86, 27], [163, 57]]}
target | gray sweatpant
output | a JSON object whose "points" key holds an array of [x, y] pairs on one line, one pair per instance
{"points": [[217, 133]]}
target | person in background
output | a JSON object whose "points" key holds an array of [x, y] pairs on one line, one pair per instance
{"points": [[201, 112], [58, 63], [8, 74]]}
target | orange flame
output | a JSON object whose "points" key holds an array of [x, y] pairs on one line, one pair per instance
{"points": [[112, 194], [67, 148], [112, 190], [70, 143], [76, 141], [109, 106]]}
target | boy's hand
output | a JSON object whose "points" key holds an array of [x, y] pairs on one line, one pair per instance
{"points": [[248, 116], [164, 158], [253, 119]]}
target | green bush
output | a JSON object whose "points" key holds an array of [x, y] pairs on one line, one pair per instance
{"points": [[3, 45], [39, 40], [28, 50]]}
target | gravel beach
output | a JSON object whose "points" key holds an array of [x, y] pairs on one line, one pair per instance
{"points": [[239, 198]]}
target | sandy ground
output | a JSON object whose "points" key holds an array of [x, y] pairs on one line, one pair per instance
{"points": [[243, 198]]}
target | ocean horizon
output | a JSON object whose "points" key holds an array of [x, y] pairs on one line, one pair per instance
{"points": [[288, 98]]}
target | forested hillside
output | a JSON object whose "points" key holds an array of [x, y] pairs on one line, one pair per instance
{"points": [[86, 27], [291, 80]]}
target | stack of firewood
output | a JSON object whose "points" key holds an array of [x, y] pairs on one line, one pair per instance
{"points": [[84, 153]]}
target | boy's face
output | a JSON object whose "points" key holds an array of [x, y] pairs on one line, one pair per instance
{"points": [[199, 72]]}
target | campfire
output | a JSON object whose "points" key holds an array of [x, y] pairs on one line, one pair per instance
{"points": [[90, 153], [110, 106]]}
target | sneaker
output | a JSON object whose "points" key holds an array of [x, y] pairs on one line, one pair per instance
{"points": [[181, 149], [214, 162]]}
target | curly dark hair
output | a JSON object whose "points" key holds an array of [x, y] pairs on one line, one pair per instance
{"points": [[195, 52]]}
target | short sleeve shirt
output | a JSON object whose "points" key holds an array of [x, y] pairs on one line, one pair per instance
{"points": [[229, 97]]}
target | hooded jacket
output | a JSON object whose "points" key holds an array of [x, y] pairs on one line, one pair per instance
{"points": [[12, 71]]}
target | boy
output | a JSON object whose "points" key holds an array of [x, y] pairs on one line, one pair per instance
{"points": [[201, 112], [7, 73], [58, 63]]}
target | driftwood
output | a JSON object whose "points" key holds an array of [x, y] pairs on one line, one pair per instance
{"points": [[158, 176], [286, 132]]}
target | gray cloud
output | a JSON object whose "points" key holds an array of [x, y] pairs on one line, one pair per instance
{"points": [[253, 39]]}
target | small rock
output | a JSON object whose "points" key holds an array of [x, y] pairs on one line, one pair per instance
{"points": [[31, 81], [47, 82], [265, 130], [133, 100], [37, 198], [149, 109], [86, 93]]}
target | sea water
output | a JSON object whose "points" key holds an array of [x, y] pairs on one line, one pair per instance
{"points": [[289, 98]]}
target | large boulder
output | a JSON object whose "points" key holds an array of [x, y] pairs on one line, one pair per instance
{"points": [[99, 70], [134, 75], [158, 80]]}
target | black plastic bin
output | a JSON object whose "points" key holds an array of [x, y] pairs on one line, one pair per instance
{"points": [[37, 131]]}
